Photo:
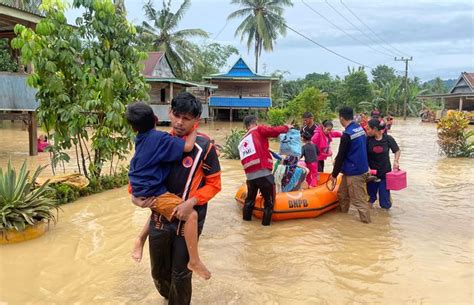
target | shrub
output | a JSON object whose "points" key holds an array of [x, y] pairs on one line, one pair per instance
{"points": [[64, 193], [231, 146], [277, 116], [453, 136]]}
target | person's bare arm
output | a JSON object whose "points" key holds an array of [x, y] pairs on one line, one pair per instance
{"points": [[396, 162]]}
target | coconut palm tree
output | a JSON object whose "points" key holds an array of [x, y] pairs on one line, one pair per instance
{"points": [[263, 22], [164, 36]]}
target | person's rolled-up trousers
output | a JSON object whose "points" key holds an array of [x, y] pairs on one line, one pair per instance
{"points": [[169, 260], [353, 191], [266, 185]]}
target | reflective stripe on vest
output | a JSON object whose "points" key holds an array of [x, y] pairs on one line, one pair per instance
{"points": [[251, 163], [358, 133]]}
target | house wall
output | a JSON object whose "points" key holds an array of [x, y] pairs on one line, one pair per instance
{"points": [[452, 103], [155, 92], [163, 69], [242, 88]]}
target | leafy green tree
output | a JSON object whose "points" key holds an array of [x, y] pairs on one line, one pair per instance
{"points": [[163, 36], [438, 86], [325, 83], [356, 88], [85, 76], [292, 89], [210, 59], [383, 74], [278, 99], [310, 99], [277, 116], [6, 61], [263, 23]]}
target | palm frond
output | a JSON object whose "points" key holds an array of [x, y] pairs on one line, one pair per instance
{"points": [[191, 32], [150, 11], [240, 13], [178, 15]]}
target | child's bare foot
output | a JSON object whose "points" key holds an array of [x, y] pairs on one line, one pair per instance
{"points": [[137, 252], [200, 269]]}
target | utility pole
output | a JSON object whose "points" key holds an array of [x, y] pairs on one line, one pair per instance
{"points": [[406, 60]]}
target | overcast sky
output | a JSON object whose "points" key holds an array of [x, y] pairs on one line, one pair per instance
{"points": [[438, 34]]}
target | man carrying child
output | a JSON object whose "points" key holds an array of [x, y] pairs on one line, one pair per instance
{"points": [[194, 177]]}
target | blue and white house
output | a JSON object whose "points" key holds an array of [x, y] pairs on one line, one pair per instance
{"points": [[239, 88]]}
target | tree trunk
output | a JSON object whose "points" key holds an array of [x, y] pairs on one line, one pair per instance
{"points": [[77, 158], [256, 55], [84, 167]]}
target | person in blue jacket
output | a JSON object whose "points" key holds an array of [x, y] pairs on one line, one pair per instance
{"points": [[351, 161]]}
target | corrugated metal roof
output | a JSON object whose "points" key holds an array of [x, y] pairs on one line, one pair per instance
{"points": [[21, 10], [240, 70], [179, 81], [236, 102], [15, 94]]}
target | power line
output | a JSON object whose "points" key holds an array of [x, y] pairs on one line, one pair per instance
{"points": [[316, 43], [221, 30], [357, 28], [326, 48], [344, 31], [373, 32]]}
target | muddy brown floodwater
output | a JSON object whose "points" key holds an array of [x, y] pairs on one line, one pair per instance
{"points": [[419, 252]]}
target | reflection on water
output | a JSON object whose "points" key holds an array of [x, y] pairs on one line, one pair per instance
{"points": [[419, 252]]}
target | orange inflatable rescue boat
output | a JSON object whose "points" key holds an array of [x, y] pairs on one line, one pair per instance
{"points": [[297, 204]]}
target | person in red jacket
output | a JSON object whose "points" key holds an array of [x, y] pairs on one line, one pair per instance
{"points": [[258, 164]]}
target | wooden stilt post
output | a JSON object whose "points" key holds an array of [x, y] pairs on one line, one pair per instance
{"points": [[460, 104], [171, 92], [32, 134], [231, 114]]}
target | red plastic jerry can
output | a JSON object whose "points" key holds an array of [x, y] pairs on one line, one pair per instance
{"points": [[396, 180]]}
